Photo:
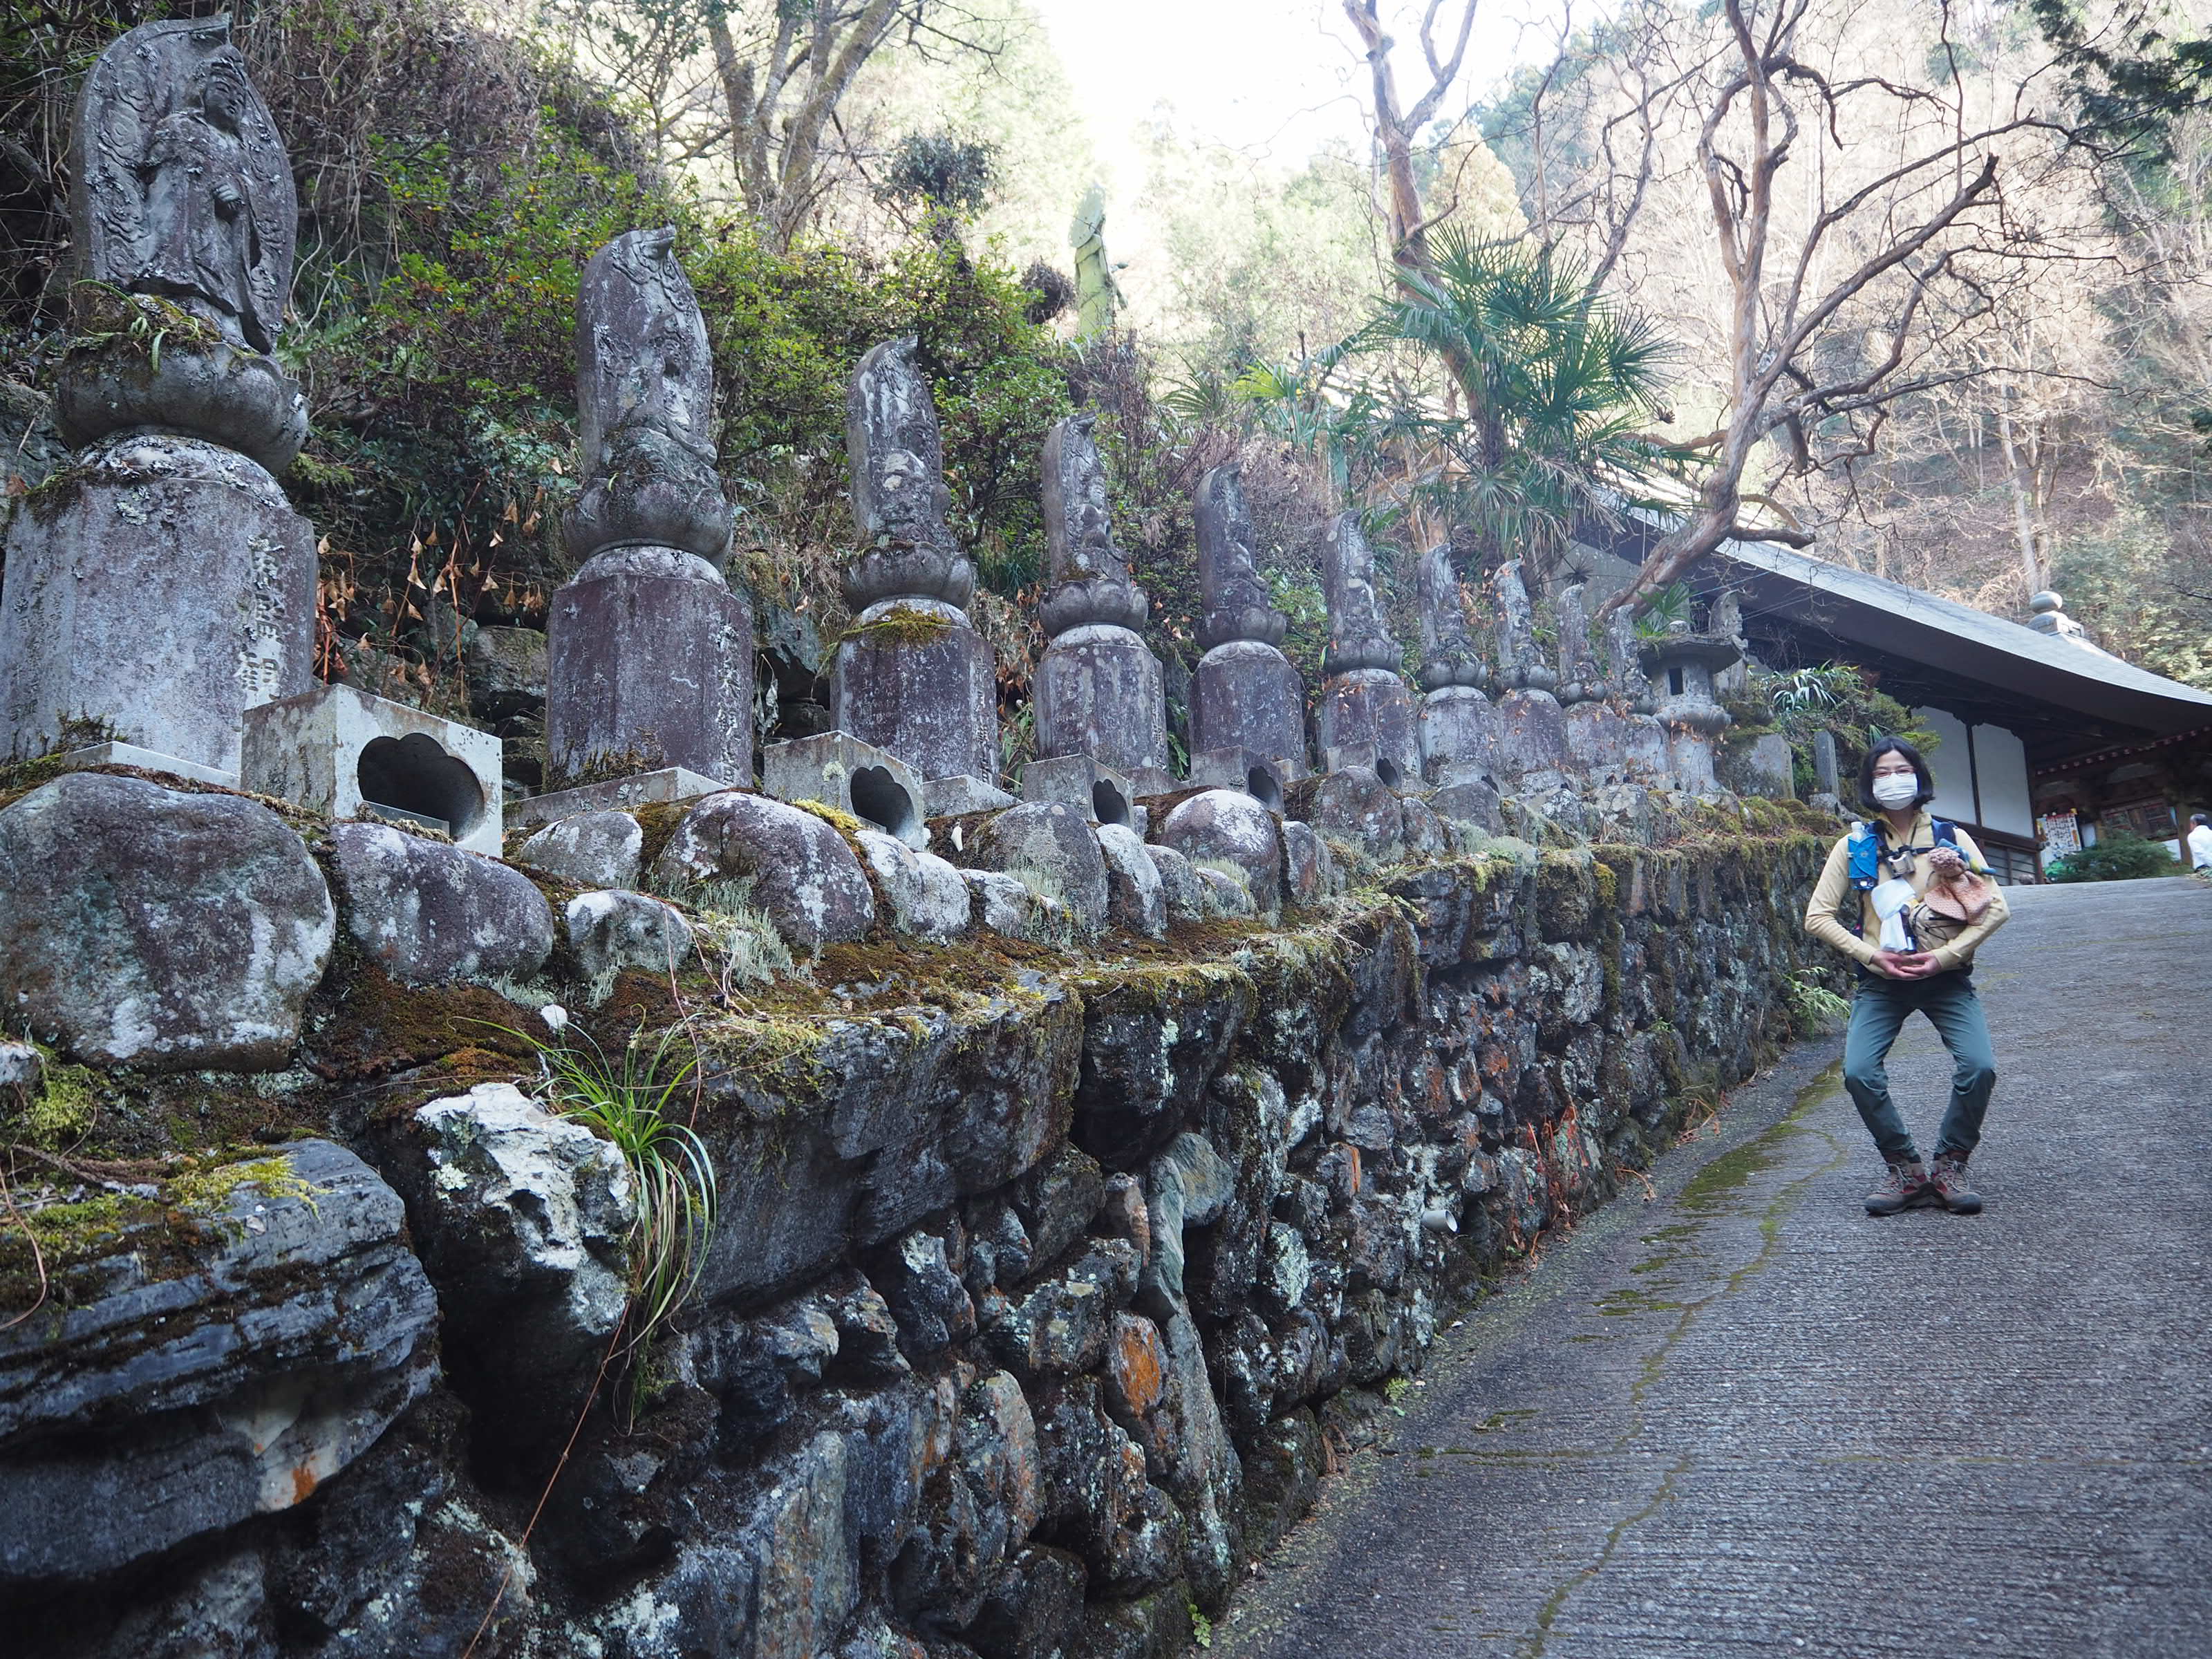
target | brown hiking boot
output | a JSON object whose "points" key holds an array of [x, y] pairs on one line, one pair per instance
{"points": [[1946, 1182], [1905, 1185]]}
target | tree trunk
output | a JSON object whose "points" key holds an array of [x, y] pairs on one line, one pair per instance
{"points": [[2019, 471]]}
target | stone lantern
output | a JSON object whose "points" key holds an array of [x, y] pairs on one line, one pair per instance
{"points": [[1682, 665]]}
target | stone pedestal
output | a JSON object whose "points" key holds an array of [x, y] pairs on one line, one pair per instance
{"points": [[1098, 693], [1100, 794], [348, 755], [1459, 735], [1597, 741], [1532, 735], [1372, 706], [1690, 759], [838, 770], [1246, 694], [650, 656], [1648, 759], [914, 678], [154, 592]]}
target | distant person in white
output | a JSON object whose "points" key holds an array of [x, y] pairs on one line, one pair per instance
{"points": [[2200, 848]]}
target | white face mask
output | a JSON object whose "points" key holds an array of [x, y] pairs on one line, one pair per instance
{"points": [[1896, 789]]}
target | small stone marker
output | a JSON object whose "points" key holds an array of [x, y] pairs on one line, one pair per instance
{"points": [[1824, 767], [649, 649], [1244, 693]]}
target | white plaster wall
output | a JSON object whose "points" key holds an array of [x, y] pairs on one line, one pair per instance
{"points": [[2001, 767], [1954, 785]]}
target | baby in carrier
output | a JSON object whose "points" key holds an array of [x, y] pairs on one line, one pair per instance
{"points": [[1955, 898]]}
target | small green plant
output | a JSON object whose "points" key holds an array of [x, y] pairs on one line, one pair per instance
{"points": [[631, 1099], [1201, 1628], [1812, 1004], [2115, 857]]}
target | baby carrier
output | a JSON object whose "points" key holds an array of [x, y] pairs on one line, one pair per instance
{"points": [[1957, 893]]}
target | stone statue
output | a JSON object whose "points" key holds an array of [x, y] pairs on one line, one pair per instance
{"points": [[899, 498], [912, 676], [1236, 601], [1357, 638], [1366, 705], [1627, 680], [1581, 677], [1099, 691], [1448, 653], [171, 587], [1246, 697], [649, 651], [645, 404], [183, 189], [1089, 574], [1520, 666], [1097, 295]]}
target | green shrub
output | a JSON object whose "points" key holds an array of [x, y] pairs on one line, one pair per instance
{"points": [[2115, 857]]}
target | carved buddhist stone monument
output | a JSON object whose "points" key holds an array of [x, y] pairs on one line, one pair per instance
{"points": [[1364, 701], [161, 585], [1644, 740], [1245, 696], [1099, 685], [650, 651], [1459, 728], [912, 677], [1532, 739], [1682, 663], [1595, 726]]}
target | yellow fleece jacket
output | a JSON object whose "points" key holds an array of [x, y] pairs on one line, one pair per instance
{"points": [[1833, 893]]}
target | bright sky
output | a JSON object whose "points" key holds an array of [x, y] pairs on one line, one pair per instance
{"points": [[1272, 78]]}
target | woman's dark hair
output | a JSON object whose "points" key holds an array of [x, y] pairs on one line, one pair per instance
{"points": [[1881, 746]]}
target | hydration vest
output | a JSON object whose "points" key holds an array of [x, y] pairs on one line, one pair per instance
{"points": [[1866, 864]]}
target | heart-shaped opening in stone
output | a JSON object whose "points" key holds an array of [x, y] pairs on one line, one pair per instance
{"points": [[415, 774], [1109, 803], [1260, 784], [879, 797], [1387, 771]]}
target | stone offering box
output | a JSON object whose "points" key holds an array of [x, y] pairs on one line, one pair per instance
{"points": [[837, 770], [1102, 794], [1265, 780], [666, 786], [343, 752]]}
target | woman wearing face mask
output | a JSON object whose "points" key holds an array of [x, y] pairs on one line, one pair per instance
{"points": [[1877, 878]]}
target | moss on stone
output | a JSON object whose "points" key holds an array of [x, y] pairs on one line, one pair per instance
{"points": [[900, 625]]}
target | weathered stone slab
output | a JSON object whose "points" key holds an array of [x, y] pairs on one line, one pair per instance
{"points": [[1372, 707], [1266, 781], [1532, 735], [342, 753], [429, 914], [668, 785], [593, 849], [957, 796], [795, 866], [650, 656], [1099, 693], [1356, 806], [914, 678], [145, 760], [1245, 693], [1459, 735], [839, 770], [191, 1379], [105, 633], [144, 927], [508, 668]]}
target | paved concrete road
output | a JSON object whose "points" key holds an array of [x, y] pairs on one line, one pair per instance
{"points": [[1746, 1419]]}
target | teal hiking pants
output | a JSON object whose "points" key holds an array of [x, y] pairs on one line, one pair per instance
{"points": [[1878, 1013]]}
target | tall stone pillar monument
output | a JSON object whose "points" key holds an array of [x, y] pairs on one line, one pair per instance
{"points": [[649, 650], [161, 584], [1364, 700], [1098, 687], [1459, 728], [912, 677], [1532, 739], [1245, 693]]}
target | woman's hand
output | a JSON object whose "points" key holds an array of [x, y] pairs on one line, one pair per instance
{"points": [[1906, 964]]}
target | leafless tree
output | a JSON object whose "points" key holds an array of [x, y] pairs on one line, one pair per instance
{"points": [[1841, 282], [1399, 126]]}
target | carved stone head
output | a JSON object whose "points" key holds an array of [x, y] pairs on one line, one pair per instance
{"points": [[183, 189], [1236, 606], [642, 355], [1448, 656], [1357, 637], [1089, 574], [897, 451]]}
